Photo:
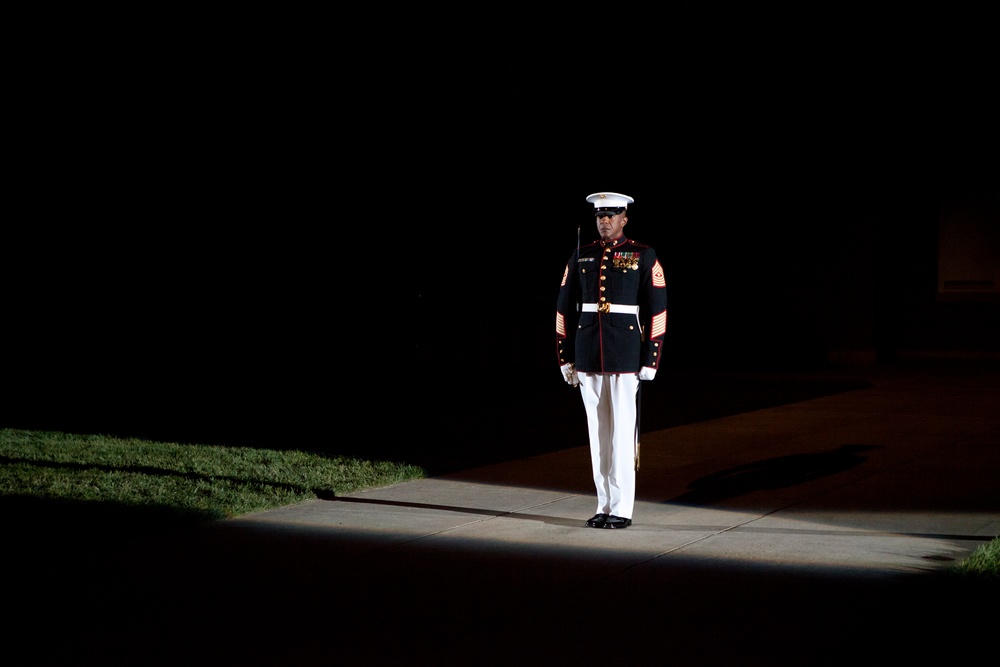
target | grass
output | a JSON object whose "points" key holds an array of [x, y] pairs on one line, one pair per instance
{"points": [[220, 481], [136, 486], [984, 562], [132, 486]]}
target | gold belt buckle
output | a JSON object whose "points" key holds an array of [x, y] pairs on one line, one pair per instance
{"points": [[604, 307]]}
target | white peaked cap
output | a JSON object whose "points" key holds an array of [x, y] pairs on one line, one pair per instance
{"points": [[609, 200]]}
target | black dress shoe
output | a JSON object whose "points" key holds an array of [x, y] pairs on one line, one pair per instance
{"points": [[597, 521], [616, 522]]}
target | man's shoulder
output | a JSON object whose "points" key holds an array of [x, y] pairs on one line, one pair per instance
{"points": [[637, 244]]}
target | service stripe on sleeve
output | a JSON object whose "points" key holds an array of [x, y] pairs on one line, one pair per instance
{"points": [[659, 325]]}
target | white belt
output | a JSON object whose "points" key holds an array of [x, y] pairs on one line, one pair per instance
{"points": [[608, 308]]}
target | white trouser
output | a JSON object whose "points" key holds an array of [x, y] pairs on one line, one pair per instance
{"points": [[610, 402]]}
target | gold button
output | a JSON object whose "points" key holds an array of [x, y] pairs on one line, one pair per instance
{"points": [[602, 289], [604, 278]]}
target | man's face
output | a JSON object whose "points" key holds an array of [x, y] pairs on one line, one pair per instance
{"points": [[610, 226]]}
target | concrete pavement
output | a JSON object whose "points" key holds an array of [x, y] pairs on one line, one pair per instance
{"points": [[812, 533]]}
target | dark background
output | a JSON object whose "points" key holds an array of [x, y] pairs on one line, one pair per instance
{"points": [[299, 229]]}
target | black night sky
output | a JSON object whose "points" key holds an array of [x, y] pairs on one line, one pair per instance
{"points": [[264, 227]]}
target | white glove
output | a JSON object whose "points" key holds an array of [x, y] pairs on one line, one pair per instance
{"points": [[647, 373], [569, 373]]}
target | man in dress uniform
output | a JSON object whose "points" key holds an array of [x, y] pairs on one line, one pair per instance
{"points": [[611, 315]]}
